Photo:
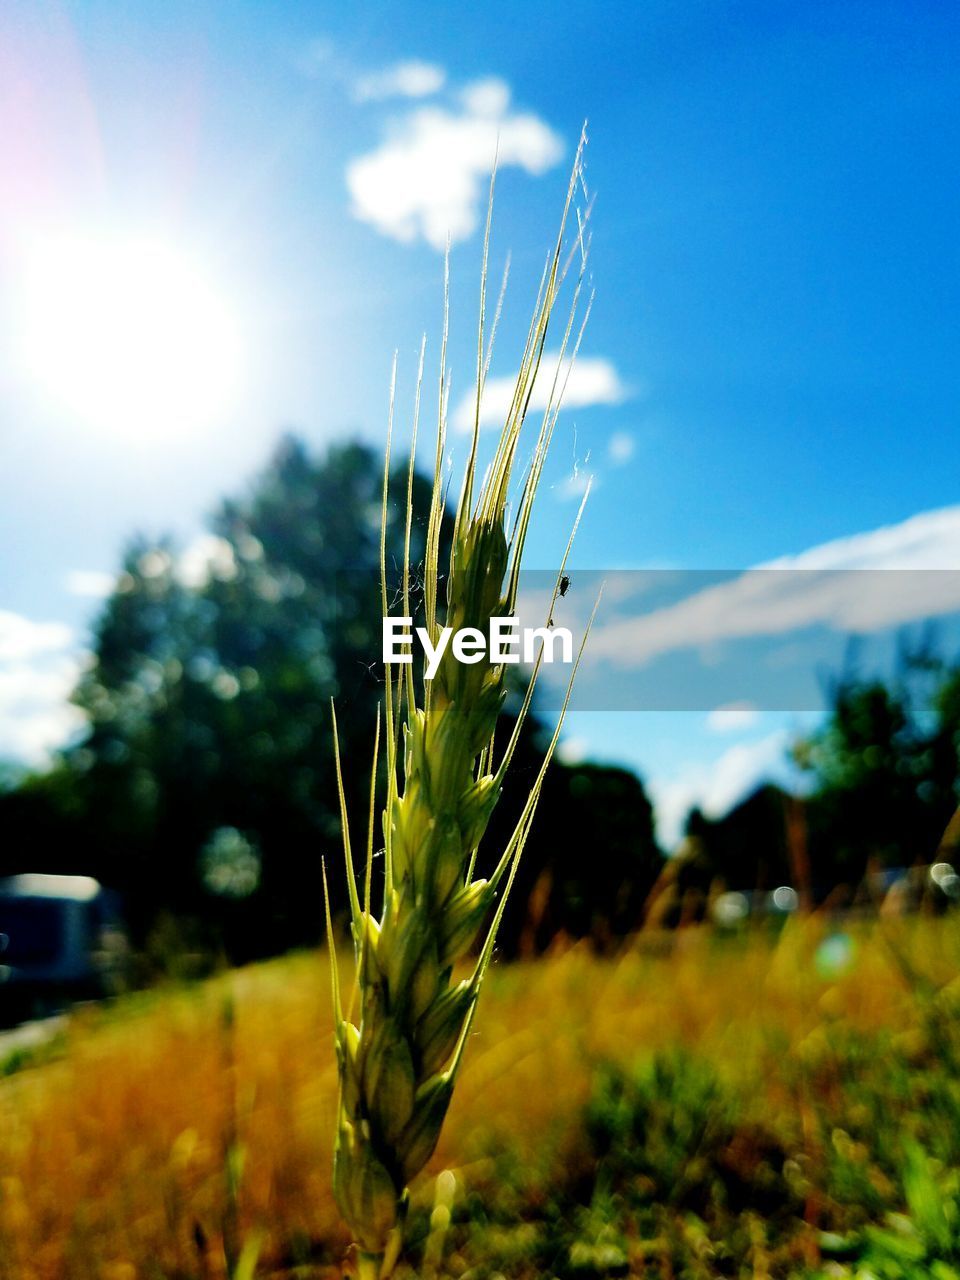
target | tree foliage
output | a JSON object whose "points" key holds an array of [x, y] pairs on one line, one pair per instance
{"points": [[886, 765], [208, 703]]}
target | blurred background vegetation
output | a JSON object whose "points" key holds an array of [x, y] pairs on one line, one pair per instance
{"points": [[203, 789]]}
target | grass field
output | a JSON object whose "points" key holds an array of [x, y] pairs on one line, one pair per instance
{"points": [[697, 1106]]}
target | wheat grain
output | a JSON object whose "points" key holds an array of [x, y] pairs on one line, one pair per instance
{"points": [[397, 1067]]}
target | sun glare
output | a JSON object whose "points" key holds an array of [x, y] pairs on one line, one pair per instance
{"points": [[127, 335]]}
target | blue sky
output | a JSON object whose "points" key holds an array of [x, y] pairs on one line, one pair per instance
{"points": [[771, 365]]}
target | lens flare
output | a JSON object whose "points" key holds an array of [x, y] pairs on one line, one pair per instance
{"points": [[127, 335]]}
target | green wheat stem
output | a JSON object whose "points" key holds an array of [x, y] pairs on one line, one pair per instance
{"points": [[398, 1062]]}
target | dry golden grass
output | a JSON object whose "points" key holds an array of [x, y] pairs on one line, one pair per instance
{"points": [[115, 1157]]}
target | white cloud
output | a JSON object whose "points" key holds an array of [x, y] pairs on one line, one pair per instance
{"points": [[817, 587], [38, 671], [411, 79], [592, 380], [930, 540], [733, 717], [716, 785], [22, 639], [94, 584], [321, 58], [490, 97], [31, 739], [428, 178], [620, 448]]}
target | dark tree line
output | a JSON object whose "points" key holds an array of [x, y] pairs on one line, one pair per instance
{"points": [[204, 787], [884, 784]]}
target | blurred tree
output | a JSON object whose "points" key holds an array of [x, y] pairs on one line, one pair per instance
{"points": [[598, 826], [208, 696], [744, 849], [884, 771], [885, 767], [592, 856], [208, 700]]}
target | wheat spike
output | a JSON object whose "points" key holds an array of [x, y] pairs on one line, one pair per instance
{"points": [[398, 1063]]}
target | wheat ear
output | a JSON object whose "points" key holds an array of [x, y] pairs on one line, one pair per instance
{"points": [[398, 1066]]}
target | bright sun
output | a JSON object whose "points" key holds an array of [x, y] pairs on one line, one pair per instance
{"points": [[127, 335]]}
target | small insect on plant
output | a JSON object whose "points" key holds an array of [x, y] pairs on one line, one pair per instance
{"points": [[563, 586], [399, 1054]]}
